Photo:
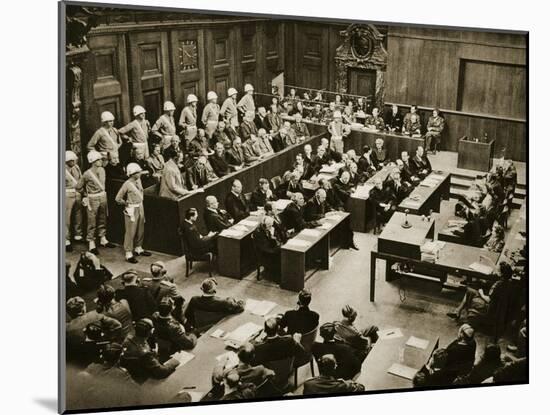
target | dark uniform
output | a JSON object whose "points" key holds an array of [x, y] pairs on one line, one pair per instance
{"points": [[303, 320], [268, 247], [214, 304], [141, 361], [141, 302], [259, 198], [329, 384], [196, 243], [171, 336]]}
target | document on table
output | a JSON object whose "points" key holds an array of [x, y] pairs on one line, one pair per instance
{"points": [[230, 358], [240, 228], [362, 192], [259, 308], [298, 243], [231, 233], [183, 357], [402, 371], [481, 268], [436, 176], [417, 343], [325, 225], [429, 183], [281, 204], [248, 222], [218, 334], [412, 203], [388, 334], [244, 332], [310, 232]]}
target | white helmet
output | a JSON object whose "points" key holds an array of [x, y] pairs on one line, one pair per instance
{"points": [[107, 116], [132, 168], [248, 87], [231, 92], [138, 109], [70, 156], [168, 106], [337, 114], [192, 98], [94, 156], [211, 95]]}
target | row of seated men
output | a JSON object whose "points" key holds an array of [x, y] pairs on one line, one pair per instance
{"points": [[487, 206], [133, 331]]}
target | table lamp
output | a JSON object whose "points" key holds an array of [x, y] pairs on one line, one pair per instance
{"points": [[406, 223]]}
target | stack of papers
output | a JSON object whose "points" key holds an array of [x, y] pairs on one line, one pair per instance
{"points": [[281, 204], [388, 334], [247, 222], [429, 183], [412, 203], [483, 269], [240, 228], [402, 371], [325, 225], [183, 357], [218, 334], [310, 232], [298, 243], [432, 247], [417, 343], [230, 358], [362, 192], [242, 334], [259, 308], [436, 176], [231, 233]]}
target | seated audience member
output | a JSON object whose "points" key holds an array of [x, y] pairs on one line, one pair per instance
{"points": [[220, 136], [278, 141], [300, 320], [170, 333], [354, 177], [172, 184], [79, 320], [118, 310], [114, 168], [235, 155], [513, 372], [199, 144], [347, 363], [261, 195], [343, 188], [251, 149], [300, 128], [316, 114], [231, 131], [291, 184], [380, 198], [288, 135], [140, 359], [293, 214], [138, 157], [408, 170], [435, 373], [379, 156], [309, 168], [484, 369], [196, 243], [235, 202], [248, 127], [360, 340], [139, 298], [347, 115], [361, 106], [461, 352], [210, 302], [435, 126], [274, 120], [316, 208], [487, 308], [375, 121], [496, 240], [332, 201], [261, 119], [197, 175], [264, 143], [327, 382], [268, 246], [422, 166], [280, 230], [395, 189], [216, 219], [235, 390], [471, 232], [89, 272], [365, 167], [218, 161], [175, 144], [275, 346], [411, 122], [394, 119], [155, 162], [160, 285]]}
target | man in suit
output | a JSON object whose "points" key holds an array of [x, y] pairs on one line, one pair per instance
{"points": [[287, 134], [160, 285], [320, 159], [309, 168], [343, 188], [275, 347], [139, 298], [293, 217], [394, 119], [251, 149], [379, 198], [395, 188], [347, 363], [278, 141], [300, 320], [218, 161], [220, 136], [264, 143], [261, 119], [261, 195], [422, 165], [365, 167], [172, 184], [235, 155], [215, 218], [248, 127], [327, 382], [299, 127], [316, 208], [210, 302], [291, 184], [411, 122], [268, 246], [407, 169], [197, 244], [274, 120], [235, 202], [332, 201], [379, 156], [197, 175], [374, 120]]}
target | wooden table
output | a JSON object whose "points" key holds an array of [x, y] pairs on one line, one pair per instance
{"points": [[397, 240], [374, 372], [475, 155], [294, 258], [424, 199]]}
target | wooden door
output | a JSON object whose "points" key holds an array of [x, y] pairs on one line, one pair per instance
{"points": [[221, 63], [362, 82]]}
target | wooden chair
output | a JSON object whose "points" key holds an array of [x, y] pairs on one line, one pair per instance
{"points": [[307, 343], [283, 369], [190, 258]]}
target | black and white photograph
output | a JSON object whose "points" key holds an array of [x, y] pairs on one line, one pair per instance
{"points": [[260, 207]]}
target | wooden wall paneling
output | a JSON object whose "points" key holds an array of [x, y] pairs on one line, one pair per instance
{"points": [[220, 62], [150, 71], [274, 49], [188, 70]]}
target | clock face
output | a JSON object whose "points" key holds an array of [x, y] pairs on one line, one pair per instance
{"points": [[188, 55]]}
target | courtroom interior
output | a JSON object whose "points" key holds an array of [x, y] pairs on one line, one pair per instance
{"points": [[271, 207]]}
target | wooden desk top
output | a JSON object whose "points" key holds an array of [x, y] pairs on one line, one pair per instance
{"points": [[312, 236], [422, 193], [362, 191], [462, 256], [415, 235]]}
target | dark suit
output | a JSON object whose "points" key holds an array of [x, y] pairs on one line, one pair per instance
{"points": [[141, 301], [219, 165], [378, 157], [292, 217], [395, 193], [348, 364], [235, 156], [303, 320], [394, 121], [262, 123], [421, 164], [172, 336], [236, 206], [259, 199], [309, 167], [248, 128], [231, 132], [408, 172], [196, 243], [268, 247], [342, 191], [274, 121], [313, 210], [277, 348], [329, 384], [332, 201], [216, 221], [300, 129], [278, 142], [288, 187], [220, 137], [196, 176], [215, 304], [377, 196], [141, 361], [365, 168]]}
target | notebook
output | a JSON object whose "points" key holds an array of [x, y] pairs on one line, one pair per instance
{"points": [[417, 343], [242, 334], [259, 308], [183, 357], [402, 371]]}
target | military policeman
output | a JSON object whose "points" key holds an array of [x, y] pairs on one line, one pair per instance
{"points": [[131, 196], [247, 101], [92, 184], [229, 110], [188, 118], [165, 127], [106, 138], [73, 200], [211, 113], [338, 132], [138, 130]]}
